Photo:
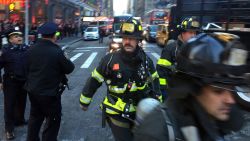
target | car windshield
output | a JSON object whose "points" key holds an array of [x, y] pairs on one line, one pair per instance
{"points": [[91, 29], [153, 28]]}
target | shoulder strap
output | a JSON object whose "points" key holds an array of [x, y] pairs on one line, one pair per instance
{"points": [[171, 134], [107, 69]]}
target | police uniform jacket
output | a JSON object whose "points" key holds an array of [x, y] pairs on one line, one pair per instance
{"points": [[47, 67], [13, 58], [128, 79], [165, 64]]}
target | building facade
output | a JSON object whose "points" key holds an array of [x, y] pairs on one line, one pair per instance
{"points": [[44, 10], [140, 7]]}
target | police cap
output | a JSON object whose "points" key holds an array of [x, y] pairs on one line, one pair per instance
{"points": [[47, 28], [13, 31]]}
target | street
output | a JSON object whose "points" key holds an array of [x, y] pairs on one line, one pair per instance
{"points": [[77, 125]]}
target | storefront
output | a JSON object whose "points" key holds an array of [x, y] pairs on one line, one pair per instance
{"points": [[12, 10]]}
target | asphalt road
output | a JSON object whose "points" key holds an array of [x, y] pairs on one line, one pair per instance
{"points": [[76, 124]]}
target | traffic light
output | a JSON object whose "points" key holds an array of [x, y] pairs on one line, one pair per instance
{"points": [[12, 7]]}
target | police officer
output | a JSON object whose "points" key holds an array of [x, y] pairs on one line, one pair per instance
{"points": [[167, 61], [211, 69], [129, 75], [47, 67], [13, 59]]}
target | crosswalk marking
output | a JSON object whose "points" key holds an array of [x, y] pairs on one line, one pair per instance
{"points": [[83, 50], [87, 63], [156, 55], [89, 47], [153, 55], [75, 57]]}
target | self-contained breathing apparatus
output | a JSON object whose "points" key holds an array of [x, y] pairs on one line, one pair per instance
{"points": [[131, 29], [129, 100]]}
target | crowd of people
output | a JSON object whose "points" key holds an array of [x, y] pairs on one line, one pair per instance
{"points": [[66, 29]]}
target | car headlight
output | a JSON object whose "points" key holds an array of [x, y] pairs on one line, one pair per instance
{"points": [[114, 45]]}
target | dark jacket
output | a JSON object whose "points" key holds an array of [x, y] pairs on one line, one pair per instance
{"points": [[186, 113], [165, 64], [47, 67], [13, 59], [127, 78], [184, 110]]}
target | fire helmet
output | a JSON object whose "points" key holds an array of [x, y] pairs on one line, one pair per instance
{"points": [[132, 28], [189, 24], [215, 58]]}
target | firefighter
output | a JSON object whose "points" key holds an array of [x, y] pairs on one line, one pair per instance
{"points": [[129, 75], [13, 59], [211, 69], [165, 65]]}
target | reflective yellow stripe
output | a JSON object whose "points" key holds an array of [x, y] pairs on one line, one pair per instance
{"points": [[163, 81], [135, 88], [134, 21], [84, 99], [160, 98], [143, 87], [155, 75], [164, 62], [140, 28], [115, 89], [97, 76], [119, 105]]}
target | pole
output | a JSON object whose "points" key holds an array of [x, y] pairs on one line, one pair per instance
{"points": [[26, 22], [79, 21]]}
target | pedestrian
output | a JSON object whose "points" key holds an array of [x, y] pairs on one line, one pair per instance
{"points": [[47, 67], [129, 75], [211, 69], [101, 35], [13, 57], [166, 63]]}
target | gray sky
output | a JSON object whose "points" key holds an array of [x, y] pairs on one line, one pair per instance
{"points": [[120, 6]]}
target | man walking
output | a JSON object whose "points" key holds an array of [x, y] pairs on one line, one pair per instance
{"points": [[129, 75]]}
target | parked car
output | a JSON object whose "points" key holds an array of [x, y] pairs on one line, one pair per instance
{"points": [[150, 33], [91, 33], [162, 35]]}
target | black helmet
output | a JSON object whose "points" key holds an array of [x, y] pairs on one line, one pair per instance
{"points": [[189, 24], [131, 28], [215, 58]]}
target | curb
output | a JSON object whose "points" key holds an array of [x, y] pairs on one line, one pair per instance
{"points": [[67, 45]]}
